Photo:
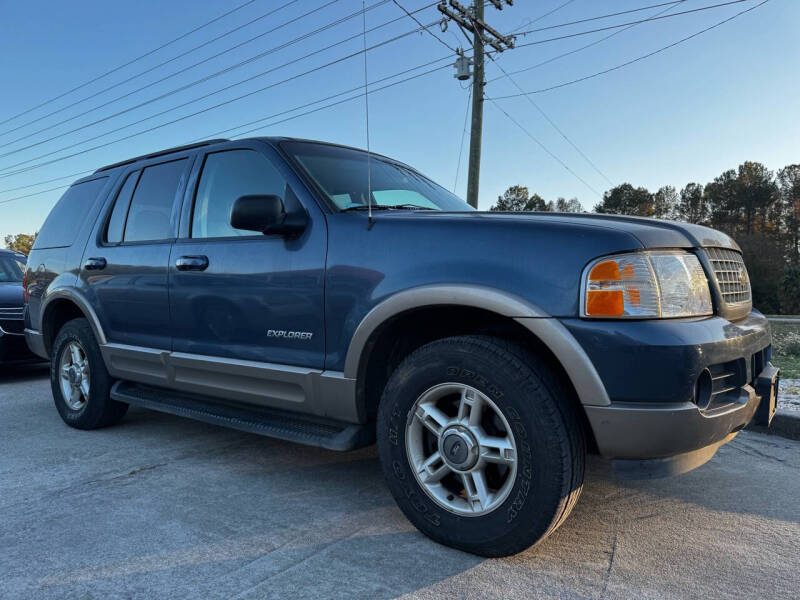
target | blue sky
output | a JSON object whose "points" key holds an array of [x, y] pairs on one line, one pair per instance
{"points": [[683, 115]]}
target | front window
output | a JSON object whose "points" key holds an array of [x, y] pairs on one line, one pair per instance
{"points": [[226, 176], [11, 269], [341, 174]]}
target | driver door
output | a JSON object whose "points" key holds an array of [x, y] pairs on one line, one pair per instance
{"points": [[231, 291]]}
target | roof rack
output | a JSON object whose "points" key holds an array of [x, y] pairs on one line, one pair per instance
{"points": [[160, 153]]}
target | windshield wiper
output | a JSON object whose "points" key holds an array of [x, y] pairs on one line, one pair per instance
{"points": [[388, 207]]}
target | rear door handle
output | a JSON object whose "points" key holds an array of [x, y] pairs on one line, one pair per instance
{"points": [[94, 264], [192, 263]]}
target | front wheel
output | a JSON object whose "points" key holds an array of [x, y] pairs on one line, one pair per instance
{"points": [[79, 380], [480, 445]]}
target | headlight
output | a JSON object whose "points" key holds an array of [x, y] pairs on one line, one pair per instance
{"points": [[646, 285]]}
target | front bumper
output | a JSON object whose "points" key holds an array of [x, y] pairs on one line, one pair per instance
{"points": [[656, 425]]}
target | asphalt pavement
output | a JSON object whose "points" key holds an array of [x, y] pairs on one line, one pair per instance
{"points": [[162, 507]]}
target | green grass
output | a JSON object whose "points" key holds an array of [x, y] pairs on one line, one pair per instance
{"points": [[786, 348]]}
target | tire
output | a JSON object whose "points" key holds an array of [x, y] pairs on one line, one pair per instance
{"points": [[535, 492], [98, 410]]}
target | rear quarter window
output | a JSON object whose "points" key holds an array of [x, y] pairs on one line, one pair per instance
{"points": [[65, 220]]}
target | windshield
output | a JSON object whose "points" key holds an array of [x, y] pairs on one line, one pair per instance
{"points": [[11, 268], [341, 174]]}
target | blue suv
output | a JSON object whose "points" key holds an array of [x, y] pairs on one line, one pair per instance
{"points": [[323, 295]]}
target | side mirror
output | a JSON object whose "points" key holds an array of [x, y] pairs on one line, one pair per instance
{"points": [[267, 215]]}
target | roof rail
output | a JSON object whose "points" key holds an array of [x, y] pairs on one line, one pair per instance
{"points": [[160, 153]]}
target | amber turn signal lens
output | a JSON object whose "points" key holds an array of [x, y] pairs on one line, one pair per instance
{"points": [[605, 303], [608, 270]]}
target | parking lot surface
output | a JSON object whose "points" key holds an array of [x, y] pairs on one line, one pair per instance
{"points": [[162, 507]]}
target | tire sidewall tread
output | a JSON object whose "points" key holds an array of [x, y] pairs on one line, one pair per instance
{"points": [[100, 410], [528, 395]]}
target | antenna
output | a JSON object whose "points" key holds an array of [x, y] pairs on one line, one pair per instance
{"points": [[366, 106]]}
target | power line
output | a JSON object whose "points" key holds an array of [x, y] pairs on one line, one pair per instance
{"points": [[30, 185], [678, 14], [366, 109], [186, 86], [199, 98], [635, 60], [358, 96], [438, 39], [542, 146], [580, 49], [251, 59], [192, 101], [272, 116], [600, 17], [294, 77], [219, 72], [325, 99], [60, 187], [552, 123], [463, 136], [149, 70], [544, 16], [130, 62]]}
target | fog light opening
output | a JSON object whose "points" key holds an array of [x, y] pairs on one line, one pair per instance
{"points": [[702, 392]]}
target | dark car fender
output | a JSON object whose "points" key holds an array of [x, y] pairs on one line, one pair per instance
{"points": [[547, 329]]}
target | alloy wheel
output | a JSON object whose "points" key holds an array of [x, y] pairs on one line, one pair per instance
{"points": [[461, 449], [74, 376]]}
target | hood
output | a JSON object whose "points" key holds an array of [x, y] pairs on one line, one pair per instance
{"points": [[11, 295], [650, 233], [654, 232]]}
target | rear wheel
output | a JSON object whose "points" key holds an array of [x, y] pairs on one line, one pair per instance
{"points": [[480, 445], [79, 380]]}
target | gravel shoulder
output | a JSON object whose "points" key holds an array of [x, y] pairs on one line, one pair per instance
{"points": [[789, 396]]}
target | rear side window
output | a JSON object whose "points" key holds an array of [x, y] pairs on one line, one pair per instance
{"points": [[66, 218], [116, 224], [149, 216], [227, 176]]}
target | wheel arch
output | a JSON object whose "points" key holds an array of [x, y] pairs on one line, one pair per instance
{"points": [[428, 312], [62, 306]]}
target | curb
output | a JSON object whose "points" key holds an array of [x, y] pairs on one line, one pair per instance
{"points": [[785, 423]]}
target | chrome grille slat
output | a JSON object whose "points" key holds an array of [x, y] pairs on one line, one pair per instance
{"points": [[729, 267]]}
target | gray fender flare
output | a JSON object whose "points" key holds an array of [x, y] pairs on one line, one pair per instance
{"points": [[549, 330], [76, 298]]}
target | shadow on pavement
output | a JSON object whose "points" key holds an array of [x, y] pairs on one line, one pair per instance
{"points": [[23, 372]]}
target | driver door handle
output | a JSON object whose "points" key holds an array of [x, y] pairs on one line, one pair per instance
{"points": [[192, 263]]}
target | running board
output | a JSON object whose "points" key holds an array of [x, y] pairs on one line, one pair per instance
{"points": [[284, 425]]}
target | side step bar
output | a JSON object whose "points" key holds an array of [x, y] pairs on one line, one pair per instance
{"points": [[313, 431]]}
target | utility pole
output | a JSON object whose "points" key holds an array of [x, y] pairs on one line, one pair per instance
{"points": [[471, 20], [476, 133]]}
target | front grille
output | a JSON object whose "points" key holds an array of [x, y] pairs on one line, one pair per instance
{"points": [[11, 320], [731, 275]]}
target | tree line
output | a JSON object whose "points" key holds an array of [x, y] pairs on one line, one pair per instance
{"points": [[757, 207], [22, 242]]}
